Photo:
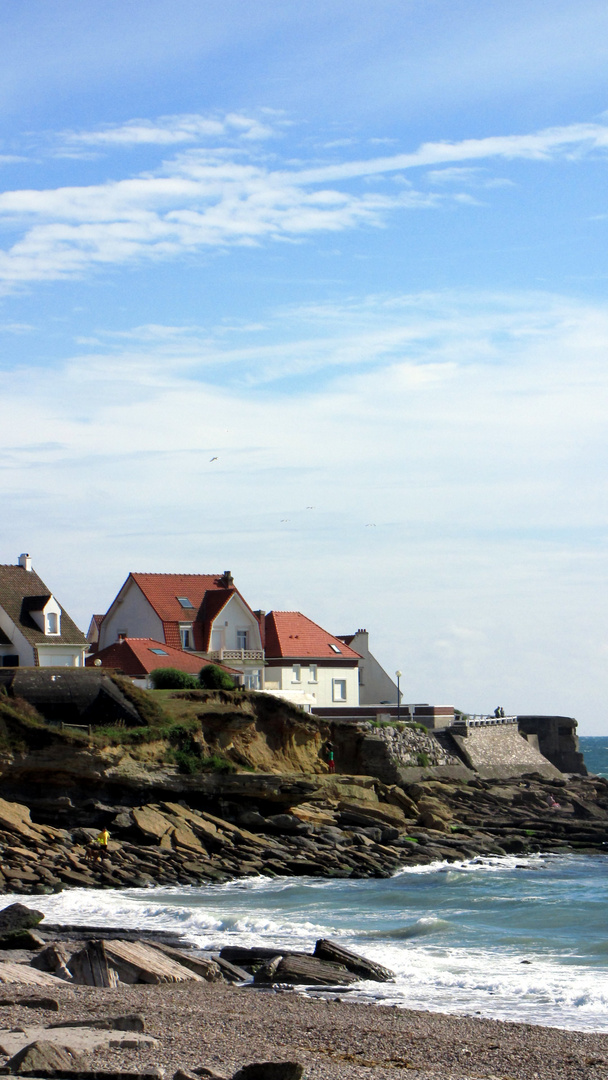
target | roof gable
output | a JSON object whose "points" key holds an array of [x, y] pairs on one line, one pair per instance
{"points": [[23, 592], [291, 634]]}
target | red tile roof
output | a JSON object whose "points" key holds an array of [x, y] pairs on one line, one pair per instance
{"points": [[162, 591], [291, 634], [135, 657]]}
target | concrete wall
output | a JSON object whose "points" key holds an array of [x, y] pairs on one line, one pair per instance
{"points": [[557, 740], [501, 752]]}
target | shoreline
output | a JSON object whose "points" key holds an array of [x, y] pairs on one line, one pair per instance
{"points": [[334, 1039]]}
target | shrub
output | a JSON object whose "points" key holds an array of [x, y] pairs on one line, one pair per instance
{"points": [[211, 677], [423, 759], [169, 678]]}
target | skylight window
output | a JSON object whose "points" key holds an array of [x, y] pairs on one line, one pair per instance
{"points": [[184, 601], [159, 652], [334, 647]]}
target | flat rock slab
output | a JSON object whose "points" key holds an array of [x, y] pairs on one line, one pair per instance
{"points": [[21, 973], [80, 1040], [136, 962]]}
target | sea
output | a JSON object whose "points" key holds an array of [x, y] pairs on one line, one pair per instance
{"points": [[512, 938]]}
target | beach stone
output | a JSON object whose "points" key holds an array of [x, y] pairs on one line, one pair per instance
{"points": [[43, 1057], [21, 939], [303, 971], [270, 1070], [359, 965], [136, 962], [90, 966], [19, 917], [150, 822]]}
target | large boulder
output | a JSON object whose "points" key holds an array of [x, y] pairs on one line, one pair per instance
{"points": [[42, 1058], [19, 917]]}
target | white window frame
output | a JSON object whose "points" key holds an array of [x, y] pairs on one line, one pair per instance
{"points": [[336, 690], [296, 673], [239, 632], [313, 674], [52, 623], [186, 636]]}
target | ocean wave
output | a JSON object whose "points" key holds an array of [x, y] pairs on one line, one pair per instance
{"points": [[420, 928]]}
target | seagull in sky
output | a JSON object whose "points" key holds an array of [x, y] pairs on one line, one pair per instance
{"points": [[371, 525], [212, 459]]}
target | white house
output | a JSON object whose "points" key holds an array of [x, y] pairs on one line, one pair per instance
{"points": [[202, 614], [306, 664], [35, 631], [375, 686]]}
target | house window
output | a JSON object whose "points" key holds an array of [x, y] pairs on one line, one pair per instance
{"points": [[241, 639], [338, 689], [52, 623], [296, 673], [159, 652], [253, 680], [185, 602], [186, 636], [312, 673]]}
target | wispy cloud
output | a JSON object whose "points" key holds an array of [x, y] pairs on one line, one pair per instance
{"points": [[210, 197], [169, 130]]}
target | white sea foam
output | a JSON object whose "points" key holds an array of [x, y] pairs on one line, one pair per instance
{"points": [[456, 935]]}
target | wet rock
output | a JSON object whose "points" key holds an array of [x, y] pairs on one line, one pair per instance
{"points": [[303, 971], [21, 939], [359, 965], [19, 917]]}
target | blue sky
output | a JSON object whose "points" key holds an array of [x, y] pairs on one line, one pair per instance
{"points": [[354, 252]]}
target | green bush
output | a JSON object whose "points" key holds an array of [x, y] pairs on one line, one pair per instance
{"points": [[211, 677], [423, 759], [170, 678]]}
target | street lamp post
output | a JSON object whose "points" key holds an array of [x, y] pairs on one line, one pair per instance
{"points": [[398, 674]]}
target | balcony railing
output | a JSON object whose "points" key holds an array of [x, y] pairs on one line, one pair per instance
{"points": [[244, 655]]}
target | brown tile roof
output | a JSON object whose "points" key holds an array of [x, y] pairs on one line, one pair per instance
{"points": [[291, 634], [21, 592], [136, 657]]}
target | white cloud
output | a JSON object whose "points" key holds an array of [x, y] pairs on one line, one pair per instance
{"points": [[211, 198], [169, 130]]}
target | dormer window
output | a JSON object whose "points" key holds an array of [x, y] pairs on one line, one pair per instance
{"points": [[185, 633], [52, 622]]}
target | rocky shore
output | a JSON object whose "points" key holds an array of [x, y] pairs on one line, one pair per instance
{"points": [[163, 1011], [319, 826]]}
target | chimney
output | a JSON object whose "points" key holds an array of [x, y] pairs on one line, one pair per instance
{"points": [[25, 561], [227, 580], [261, 617]]}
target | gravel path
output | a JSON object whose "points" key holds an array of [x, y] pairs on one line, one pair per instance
{"points": [[224, 1027]]}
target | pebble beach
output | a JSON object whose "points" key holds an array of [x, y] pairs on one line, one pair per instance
{"points": [[224, 1027]]}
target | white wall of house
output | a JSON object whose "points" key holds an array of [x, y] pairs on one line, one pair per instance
{"points": [[60, 656], [375, 684], [234, 621], [130, 614], [19, 645], [330, 685], [48, 619]]}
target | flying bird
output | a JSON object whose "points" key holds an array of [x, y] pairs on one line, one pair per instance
{"points": [[371, 525], [212, 459], [310, 507], [285, 519]]}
